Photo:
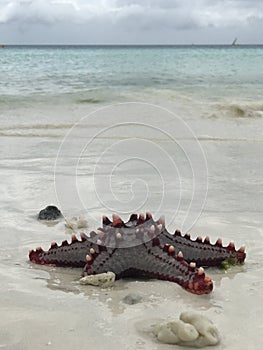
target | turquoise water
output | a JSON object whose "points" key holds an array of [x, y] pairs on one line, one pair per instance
{"points": [[97, 73]]}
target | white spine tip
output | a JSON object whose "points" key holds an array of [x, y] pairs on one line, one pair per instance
{"points": [[92, 251], [152, 229], [171, 249], [118, 235], [180, 255], [88, 258], [99, 242], [160, 227], [201, 271], [192, 265]]}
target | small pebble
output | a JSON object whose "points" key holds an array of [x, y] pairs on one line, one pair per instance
{"points": [[132, 298]]}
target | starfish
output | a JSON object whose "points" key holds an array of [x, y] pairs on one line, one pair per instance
{"points": [[142, 247]]}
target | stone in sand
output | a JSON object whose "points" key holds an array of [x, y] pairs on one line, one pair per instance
{"points": [[51, 212], [132, 298]]}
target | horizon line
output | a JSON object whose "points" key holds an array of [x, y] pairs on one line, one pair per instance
{"points": [[120, 44]]}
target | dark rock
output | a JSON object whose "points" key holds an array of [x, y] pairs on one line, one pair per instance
{"points": [[49, 213]]}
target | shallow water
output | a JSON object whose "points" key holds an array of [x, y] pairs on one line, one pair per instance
{"points": [[199, 163]]}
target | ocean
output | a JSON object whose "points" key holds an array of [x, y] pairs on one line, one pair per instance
{"points": [[87, 73], [175, 130]]}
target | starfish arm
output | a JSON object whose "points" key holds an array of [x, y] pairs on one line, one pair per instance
{"points": [[67, 254], [201, 251], [153, 261]]}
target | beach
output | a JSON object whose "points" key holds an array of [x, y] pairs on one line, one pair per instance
{"points": [[176, 131]]}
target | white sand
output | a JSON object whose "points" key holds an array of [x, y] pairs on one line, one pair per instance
{"points": [[44, 307]]}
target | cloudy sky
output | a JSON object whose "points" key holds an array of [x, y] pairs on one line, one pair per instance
{"points": [[130, 21]]}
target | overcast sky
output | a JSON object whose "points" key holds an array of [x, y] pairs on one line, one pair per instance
{"points": [[130, 21]]}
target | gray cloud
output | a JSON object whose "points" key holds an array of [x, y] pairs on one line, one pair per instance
{"points": [[128, 20]]}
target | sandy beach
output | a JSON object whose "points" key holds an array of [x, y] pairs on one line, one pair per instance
{"points": [[47, 307], [190, 155]]}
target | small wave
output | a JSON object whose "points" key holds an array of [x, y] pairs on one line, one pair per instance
{"points": [[34, 130], [84, 96], [239, 110], [43, 130], [19, 134], [22, 127], [36, 127]]}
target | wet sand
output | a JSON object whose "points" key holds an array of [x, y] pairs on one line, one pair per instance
{"points": [[46, 307]]}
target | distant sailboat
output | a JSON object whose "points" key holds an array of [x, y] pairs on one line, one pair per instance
{"points": [[234, 42]]}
